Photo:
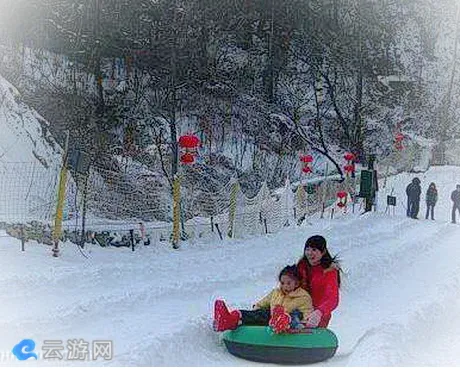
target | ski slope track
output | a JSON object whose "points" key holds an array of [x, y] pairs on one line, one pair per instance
{"points": [[400, 293]]}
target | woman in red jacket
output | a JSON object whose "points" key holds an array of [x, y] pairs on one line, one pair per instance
{"points": [[320, 277]]}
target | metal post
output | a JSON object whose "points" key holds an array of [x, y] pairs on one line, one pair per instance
{"points": [[83, 218], [23, 240], [232, 211], [218, 231], [369, 200], [131, 235]]}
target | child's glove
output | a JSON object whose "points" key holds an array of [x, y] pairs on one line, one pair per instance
{"points": [[279, 320], [314, 318]]}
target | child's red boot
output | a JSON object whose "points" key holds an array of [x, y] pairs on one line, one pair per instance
{"points": [[223, 318], [280, 320]]}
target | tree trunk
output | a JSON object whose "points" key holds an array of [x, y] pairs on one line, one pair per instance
{"points": [[172, 102]]}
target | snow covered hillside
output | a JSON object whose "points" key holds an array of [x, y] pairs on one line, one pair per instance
{"points": [[24, 137], [399, 301], [28, 155]]}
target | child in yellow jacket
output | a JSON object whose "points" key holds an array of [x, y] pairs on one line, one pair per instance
{"points": [[286, 306]]}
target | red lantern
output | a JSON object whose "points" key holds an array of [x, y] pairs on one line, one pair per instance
{"points": [[306, 161], [187, 158], [342, 197], [189, 144], [349, 169], [189, 141], [399, 137], [306, 158], [350, 166]]}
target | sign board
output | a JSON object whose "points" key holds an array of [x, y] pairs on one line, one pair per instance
{"points": [[78, 161], [311, 188], [391, 201], [366, 184]]}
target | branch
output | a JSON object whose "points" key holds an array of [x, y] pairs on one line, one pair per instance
{"points": [[342, 120]]}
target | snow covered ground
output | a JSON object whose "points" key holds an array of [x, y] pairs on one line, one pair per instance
{"points": [[400, 296]]}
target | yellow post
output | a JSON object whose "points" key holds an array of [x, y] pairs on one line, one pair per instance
{"points": [[232, 211], [176, 212], [301, 202], [60, 200]]}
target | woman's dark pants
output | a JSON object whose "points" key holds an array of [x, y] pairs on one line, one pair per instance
{"points": [[261, 317]]}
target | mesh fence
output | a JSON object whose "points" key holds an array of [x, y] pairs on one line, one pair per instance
{"points": [[120, 197], [27, 192]]}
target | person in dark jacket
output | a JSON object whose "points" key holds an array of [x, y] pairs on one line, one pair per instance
{"points": [[455, 197], [431, 199], [413, 191]]}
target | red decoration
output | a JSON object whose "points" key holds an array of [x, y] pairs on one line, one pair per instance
{"points": [[189, 141], [350, 166], [189, 144], [187, 158], [349, 156], [342, 197], [399, 137], [306, 160]]}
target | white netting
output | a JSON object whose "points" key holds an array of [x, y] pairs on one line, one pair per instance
{"points": [[209, 209], [27, 192], [118, 196]]}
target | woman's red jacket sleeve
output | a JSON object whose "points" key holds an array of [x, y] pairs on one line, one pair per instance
{"points": [[330, 299]]}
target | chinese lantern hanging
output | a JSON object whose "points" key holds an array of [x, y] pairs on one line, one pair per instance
{"points": [[306, 161], [189, 148], [187, 158], [350, 166], [342, 197], [399, 137]]}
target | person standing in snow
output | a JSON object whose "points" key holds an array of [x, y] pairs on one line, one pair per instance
{"points": [[320, 276], [455, 197], [142, 232], [413, 191], [431, 199], [283, 308]]}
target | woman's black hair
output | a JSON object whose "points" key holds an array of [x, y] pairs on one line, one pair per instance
{"points": [[290, 271], [319, 242]]}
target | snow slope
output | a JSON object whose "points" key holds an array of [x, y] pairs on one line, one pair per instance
{"points": [[399, 301], [28, 155], [23, 138]]}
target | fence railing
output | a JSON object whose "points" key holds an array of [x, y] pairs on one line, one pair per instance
{"points": [[116, 203]]}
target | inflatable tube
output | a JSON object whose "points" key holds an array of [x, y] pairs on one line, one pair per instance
{"points": [[259, 344]]}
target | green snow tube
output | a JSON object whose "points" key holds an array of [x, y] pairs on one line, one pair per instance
{"points": [[259, 344]]}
